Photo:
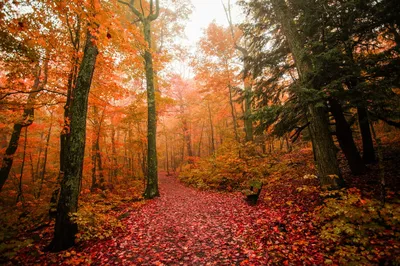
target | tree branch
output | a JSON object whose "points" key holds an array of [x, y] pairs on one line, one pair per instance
{"points": [[132, 8], [389, 122], [155, 15], [296, 134], [141, 6]]}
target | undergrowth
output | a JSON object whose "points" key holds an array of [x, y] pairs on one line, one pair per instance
{"points": [[352, 225], [28, 224]]}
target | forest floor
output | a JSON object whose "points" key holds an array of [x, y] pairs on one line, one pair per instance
{"points": [[184, 226], [188, 226]]}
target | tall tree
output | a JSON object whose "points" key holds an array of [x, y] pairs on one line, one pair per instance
{"points": [[281, 22], [153, 12], [248, 123], [66, 227], [25, 121]]}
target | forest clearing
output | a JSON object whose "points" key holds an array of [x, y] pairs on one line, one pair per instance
{"points": [[196, 132]]}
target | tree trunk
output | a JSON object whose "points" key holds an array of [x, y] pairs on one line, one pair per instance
{"points": [[66, 227], [248, 123], [345, 139], [200, 140], [64, 135], [212, 129], [99, 164], [152, 172], [363, 120], [188, 138], [327, 165], [25, 121], [114, 165], [233, 113], [368, 146], [20, 196], [96, 155], [46, 149], [166, 152], [38, 163], [324, 149]]}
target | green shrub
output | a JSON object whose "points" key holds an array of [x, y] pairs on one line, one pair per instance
{"points": [[358, 230]]}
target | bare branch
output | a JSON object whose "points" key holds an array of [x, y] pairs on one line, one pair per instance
{"points": [[155, 15], [296, 134], [141, 7], [132, 8]]}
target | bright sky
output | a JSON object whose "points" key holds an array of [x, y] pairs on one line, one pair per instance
{"points": [[204, 12]]}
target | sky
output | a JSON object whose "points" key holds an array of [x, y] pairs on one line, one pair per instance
{"points": [[204, 12]]}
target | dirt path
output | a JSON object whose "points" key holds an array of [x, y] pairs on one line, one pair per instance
{"points": [[183, 227]]}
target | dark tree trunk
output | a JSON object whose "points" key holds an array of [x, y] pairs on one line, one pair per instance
{"points": [[26, 120], [368, 146], [248, 123], [324, 149], [327, 165], [38, 163], [345, 139], [65, 227], [46, 149], [64, 135], [20, 196], [151, 190], [363, 120]]}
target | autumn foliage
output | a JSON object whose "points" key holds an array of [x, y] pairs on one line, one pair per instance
{"points": [[274, 141]]}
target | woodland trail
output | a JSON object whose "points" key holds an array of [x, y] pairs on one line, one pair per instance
{"points": [[183, 227]]}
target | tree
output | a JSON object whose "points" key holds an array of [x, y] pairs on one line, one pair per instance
{"points": [[151, 190], [66, 227], [248, 123], [25, 121], [309, 97], [215, 68]]}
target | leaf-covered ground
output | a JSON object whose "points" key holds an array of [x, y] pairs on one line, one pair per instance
{"points": [[186, 226]]}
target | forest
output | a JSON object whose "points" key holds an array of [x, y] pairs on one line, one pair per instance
{"points": [[273, 140]]}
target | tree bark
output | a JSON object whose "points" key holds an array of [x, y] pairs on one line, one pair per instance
{"points": [[345, 139], [327, 165], [248, 123], [114, 166], [152, 172], [212, 129], [46, 149], [25, 121], [94, 163], [20, 196], [233, 113], [368, 145], [66, 227]]}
